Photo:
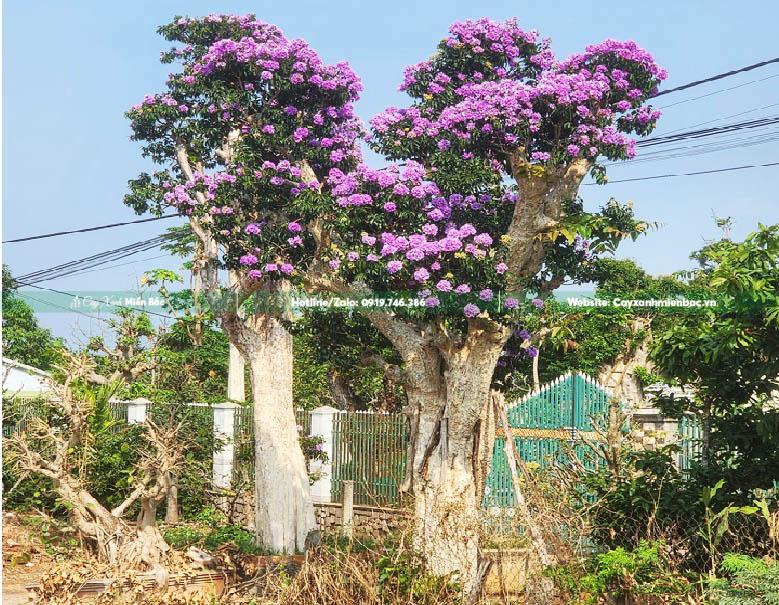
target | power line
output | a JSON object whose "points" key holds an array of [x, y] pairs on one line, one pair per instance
{"points": [[665, 176], [705, 132], [723, 137], [87, 229], [685, 151], [132, 262], [716, 92], [733, 115], [726, 74], [101, 258], [95, 260]]}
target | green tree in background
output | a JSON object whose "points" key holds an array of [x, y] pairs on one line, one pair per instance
{"points": [[729, 357], [23, 339]]}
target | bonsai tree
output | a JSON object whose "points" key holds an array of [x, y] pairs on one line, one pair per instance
{"points": [[483, 210], [56, 445], [247, 131]]}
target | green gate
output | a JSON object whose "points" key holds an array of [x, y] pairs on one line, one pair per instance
{"points": [[547, 425], [369, 449]]}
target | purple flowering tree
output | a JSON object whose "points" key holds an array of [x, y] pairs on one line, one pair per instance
{"points": [[482, 209], [246, 132]]}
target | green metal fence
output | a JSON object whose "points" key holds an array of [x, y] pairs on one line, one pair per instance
{"points": [[547, 427], [369, 449], [119, 410], [243, 456], [690, 444]]}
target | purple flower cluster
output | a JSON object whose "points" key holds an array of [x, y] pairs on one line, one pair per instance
{"points": [[521, 93]]}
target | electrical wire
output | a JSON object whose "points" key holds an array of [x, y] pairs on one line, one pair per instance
{"points": [[88, 229], [720, 76], [101, 258], [665, 176], [716, 92], [733, 115], [95, 260]]}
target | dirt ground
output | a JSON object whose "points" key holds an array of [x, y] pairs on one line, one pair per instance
{"points": [[24, 560]]}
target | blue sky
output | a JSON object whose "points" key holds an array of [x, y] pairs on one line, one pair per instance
{"points": [[71, 69]]}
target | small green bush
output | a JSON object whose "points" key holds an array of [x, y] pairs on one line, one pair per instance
{"points": [[182, 537], [242, 538], [746, 581], [401, 573], [624, 574]]}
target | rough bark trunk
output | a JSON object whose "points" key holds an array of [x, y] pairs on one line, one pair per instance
{"points": [[340, 392], [447, 389], [172, 504], [445, 482], [148, 545], [284, 511], [115, 540]]}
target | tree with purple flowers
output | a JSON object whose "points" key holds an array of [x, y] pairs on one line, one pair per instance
{"points": [[246, 132], [482, 211], [475, 223]]}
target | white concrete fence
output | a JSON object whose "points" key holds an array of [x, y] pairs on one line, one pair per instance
{"points": [[224, 415]]}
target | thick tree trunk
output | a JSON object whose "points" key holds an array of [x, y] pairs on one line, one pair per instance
{"points": [[448, 389], [115, 540], [148, 546], [284, 512], [446, 502]]}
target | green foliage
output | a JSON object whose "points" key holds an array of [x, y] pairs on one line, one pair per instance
{"points": [[730, 356], [310, 375], [23, 339], [402, 572], [185, 372], [623, 574], [56, 536], [31, 493], [211, 517], [114, 455], [746, 581], [649, 499], [243, 539], [646, 377], [337, 359], [182, 537], [648, 487]]}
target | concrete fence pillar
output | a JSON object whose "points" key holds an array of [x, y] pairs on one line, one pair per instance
{"points": [[322, 426], [224, 430], [136, 410], [651, 430]]}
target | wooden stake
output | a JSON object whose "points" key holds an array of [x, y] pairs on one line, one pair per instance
{"points": [[536, 537]]}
